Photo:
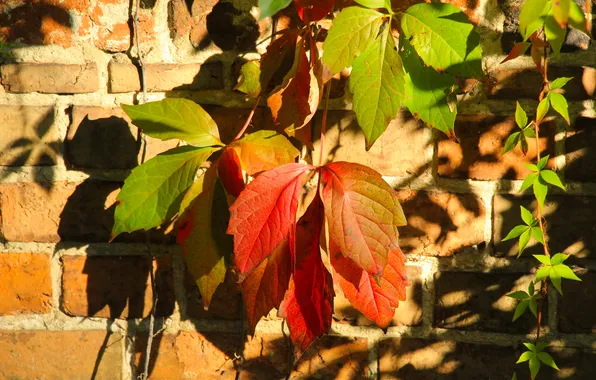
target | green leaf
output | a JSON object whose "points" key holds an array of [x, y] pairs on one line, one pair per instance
{"points": [[528, 181], [542, 163], [250, 80], [533, 305], [559, 82], [532, 15], [353, 30], [521, 118], [561, 12], [551, 177], [525, 357], [515, 232], [264, 150], [577, 19], [373, 3], [555, 35], [532, 167], [175, 119], [270, 7], [511, 142], [567, 273], [559, 103], [555, 278], [531, 289], [558, 258], [542, 109], [526, 215], [538, 235], [534, 366], [520, 309], [377, 82], [444, 38], [514, 377], [529, 132], [543, 273], [152, 193], [519, 295], [540, 191], [547, 359], [426, 91], [540, 346], [524, 238], [543, 259], [530, 347]]}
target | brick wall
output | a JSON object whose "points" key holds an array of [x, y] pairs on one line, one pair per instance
{"points": [[74, 306]]}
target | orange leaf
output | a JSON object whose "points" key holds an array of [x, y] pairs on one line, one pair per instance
{"points": [[230, 172], [517, 50], [264, 150], [278, 60], [313, 10]]}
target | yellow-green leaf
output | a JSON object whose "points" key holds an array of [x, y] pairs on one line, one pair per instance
{"points": [[250, 82], [264, 150]]}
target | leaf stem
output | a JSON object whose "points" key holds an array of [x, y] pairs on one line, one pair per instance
{"points": [[248, 120], [324, 123]]}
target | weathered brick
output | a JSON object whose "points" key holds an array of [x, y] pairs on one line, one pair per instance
{"points": [[266, 356], [574, 319], [30, 137], [478, 301], [344, 141], [481, 142], [226, 303], [63, 211], [570, 221], [115, 287], [46, 354], [573, 363], [50, 78], [103, 138], [124, 77], [580, 155], [229, 25], [409, 312], [414, 359], [440, 224], [25, 283], [190, 355], [184, 25]]}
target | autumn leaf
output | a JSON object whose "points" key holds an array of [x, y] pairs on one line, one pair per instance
{"points": [[517, 50], [250, 80], [277, 61], [308, 303], [313, 10], [262, 215], [376, 300], [363, 214], [205, 246], [264, 288], [264, 150], [230, 172]]}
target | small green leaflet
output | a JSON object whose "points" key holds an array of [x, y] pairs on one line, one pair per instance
{"points": [[377, 82], [175, 119], [270, 7], [554, 269], [524, 232], [532, 16], [153, 191], [250, 80], [555, 35], [536, 355], [352, 32], [427, 91], [559, 103], [528, 300], [375, 4], [577, 19], [559, 82], [444, 38]]}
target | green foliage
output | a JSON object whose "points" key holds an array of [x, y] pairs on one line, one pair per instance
{"points": [[376, 4], [524, 232], [554, 269], [540, 179], [528, 300], [250, 82], [535, 356], [270, 7], [526, 131]]}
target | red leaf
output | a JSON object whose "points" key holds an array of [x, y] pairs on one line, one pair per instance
{"points": [[230, 172], [377, 301], [308, 304], [517, 50], [264, 212], [313, 10], [278, 60], [264, 288], [363, 214]]}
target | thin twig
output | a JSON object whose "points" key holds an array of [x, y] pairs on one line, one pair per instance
{"points": [[324, 123], [248, 120]]}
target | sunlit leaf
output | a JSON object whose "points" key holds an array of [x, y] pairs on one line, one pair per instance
{"points": [[542, 109], [526, 215], [540, 190], [250, 79], [528, 181], [559, 82], [520, 116], [561, 11], [559, 103], [511, 142], [577, 18], [517, 50], [547, 359], [515, 232], [270, 7], [538, 235], [551, 177], [555, 35], [264, 150], [532, 16]]}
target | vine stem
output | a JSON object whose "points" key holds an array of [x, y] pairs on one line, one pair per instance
{"points": [[248, 120], [324, 123]]}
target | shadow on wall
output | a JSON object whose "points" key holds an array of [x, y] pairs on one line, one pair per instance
{"points": [[27, 23]]}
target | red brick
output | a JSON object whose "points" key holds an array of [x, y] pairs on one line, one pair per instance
{"points": [[574, 319], [266, 356], [190, 355], [344, 141], [226, 303], [25, 283], [580, 155], [409, 312], [440, 224], [30, 137], [481, 142], [418, 359], [115, 287], [478, 301], [61, 355], [165, 77], [50, 78], [104, 138]]}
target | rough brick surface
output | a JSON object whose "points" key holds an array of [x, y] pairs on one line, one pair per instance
{"points": [[115, 287], [573, 363], [440, 224], [580, 152], [418, 359], [165, 77], [478, 301], [25, 283], [570, 221], [481, 142], [103, 138], [390, 155], [45, 355], [50, 78], [191, 355], [574, 319], [409, 312], [29, 136]]}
